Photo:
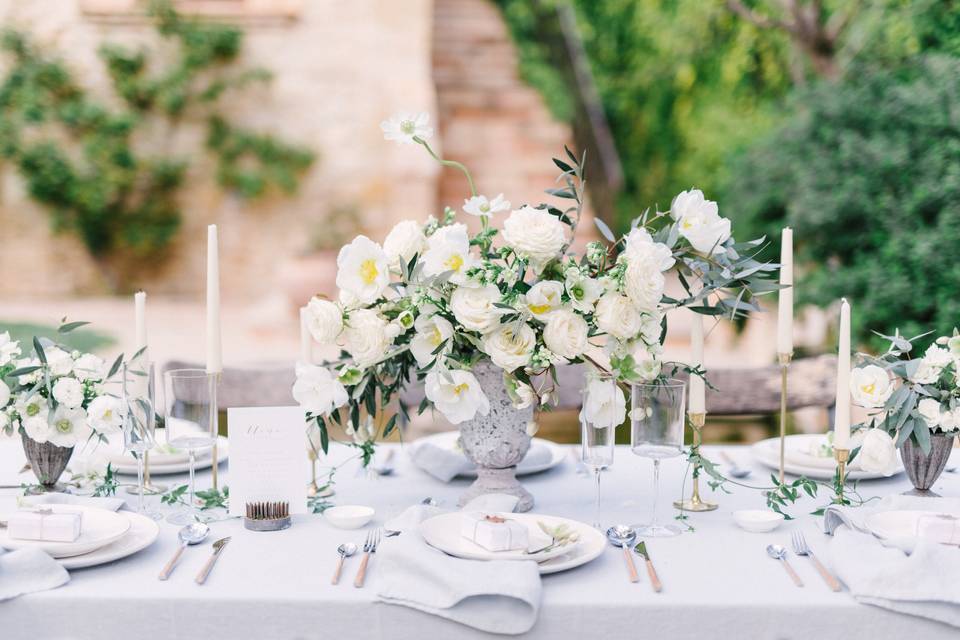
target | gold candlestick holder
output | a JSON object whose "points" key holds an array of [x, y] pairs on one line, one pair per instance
{"points": [[313, 489], [784, 359], [842, 456], [695, 503]]}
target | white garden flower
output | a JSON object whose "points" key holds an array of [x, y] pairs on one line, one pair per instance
{"points": [[68, 426], [365, 337], [34, 406], [9, 349], [604, 405], [324, 320], [402, 127], [4, 395], [699, 221], [949, 420], [535, 234], [640, 247], [457, 395], [543, 298], [404, 241], [317, 390], [448, 249], [878, 453], [362, 270], [870, 386], [431, 331], [474, 307], [521, 394], [29, 378], [105, 414], [510, 346], [643, 283], [646, 364], [68, 392], [651, 328], [583, 290], [566, 333], [932, 365], [953, 345], [481, 206], [929, 410], [617, 316], [89, 367], [59, 361], [36, 427]]}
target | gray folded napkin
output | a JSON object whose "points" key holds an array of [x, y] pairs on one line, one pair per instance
{"points": [[446, 464], [113, 504], [496, 596], [913, 576], [29, 570]]}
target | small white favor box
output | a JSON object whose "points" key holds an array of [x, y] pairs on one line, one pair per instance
{"points": [[494, 533], [46, 524]]}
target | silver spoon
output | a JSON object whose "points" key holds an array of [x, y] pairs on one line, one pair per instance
{"points": [[345, 550], [191, 534], [620, 535], [734, 470], [778, 552]]}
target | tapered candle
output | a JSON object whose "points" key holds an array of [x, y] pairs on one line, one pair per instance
{"points": [[697, 388], [140, 321], [785, 307], [841, 423], [214, 349], [306, 346]]}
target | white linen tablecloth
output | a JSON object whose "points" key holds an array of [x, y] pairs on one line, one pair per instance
{"points": [[718, 581]]}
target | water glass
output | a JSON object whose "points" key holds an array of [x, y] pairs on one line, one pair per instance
{"points": [[138, 403], [604, 407], [656, 432]]}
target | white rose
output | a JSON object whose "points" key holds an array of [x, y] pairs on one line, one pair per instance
{"points": [[457, 395], [566, 334], [448, 249], [870, 386], [878, 453], [480, 206], [9, 349], [365, 337], [68, 392], [932, 365], [89, 367], [324, 320], [534, 234], [583, 291], [404, 241], [510, 346], [58, 361], [317, 390], [699, 220], [617, 316], [69, 427], [929, 410], [362, 270], [640, 247], [604, 404], [431, 331], [474, 307], [543, 298], [4, 394], [643, 283], [104, 414]]}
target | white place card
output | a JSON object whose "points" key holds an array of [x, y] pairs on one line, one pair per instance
{"points": [[267, 457]]}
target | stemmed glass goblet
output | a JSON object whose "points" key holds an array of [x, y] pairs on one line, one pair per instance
{"points": [[604, 408], [139, 419], [190, 424]]}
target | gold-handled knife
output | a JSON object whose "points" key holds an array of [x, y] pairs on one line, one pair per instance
{"points": [[641, 549], [207, 568]]}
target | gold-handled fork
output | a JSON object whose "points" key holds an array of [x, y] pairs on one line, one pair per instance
{"points": [[369, 547], [801, 549]]}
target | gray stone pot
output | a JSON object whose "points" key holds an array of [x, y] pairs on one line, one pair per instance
{"points": [[923, 469], [498, 441], [47, 460]]}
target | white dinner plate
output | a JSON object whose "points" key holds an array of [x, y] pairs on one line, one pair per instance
{"points": [[143, 532], [892, 525], [448, 440], [100, 527], [443, 532], [160, 468], [767, 453]]}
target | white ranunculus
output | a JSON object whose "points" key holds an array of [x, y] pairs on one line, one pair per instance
{"points": [[365, 337], [643, 283], [404, 241], [617, 316], [457, 395], [640, 247], [870, 386], [68, 427], [89, 367], [878, 453], [474, 307], [362, 270], [699, 220], [583, 291], [9, 349], [535, 234], [481, 206], [929, 410], [68, 392], [604, 404], [402, 127], [104, 414], [566, 334], [431, 331], [324, 320], [510, 346], [4, 394], [448, 249], [317, 390], [543, 298], [58, 361]]}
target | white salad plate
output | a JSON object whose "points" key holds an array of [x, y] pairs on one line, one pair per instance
{"points": [[99, 528], [448, 440], [142, 533], [799, 459], [897, 524]]}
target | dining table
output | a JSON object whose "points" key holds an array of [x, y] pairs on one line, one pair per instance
{"points": [[718, 581]]}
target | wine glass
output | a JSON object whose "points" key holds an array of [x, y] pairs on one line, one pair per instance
{"points": [[656, 432], [139, 419], [190, 424], [604, 407]]}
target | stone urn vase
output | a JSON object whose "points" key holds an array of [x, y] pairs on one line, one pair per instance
{"points": [[498, 441], [923, 469], [47, 460]]}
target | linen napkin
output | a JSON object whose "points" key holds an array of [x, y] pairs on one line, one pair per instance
{"points": [[913, 576], [113, 504], [445, 464], [497, 596], [29, 570]]}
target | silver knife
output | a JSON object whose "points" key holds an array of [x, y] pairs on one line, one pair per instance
{"points": [[641, 549], [207, 568]]}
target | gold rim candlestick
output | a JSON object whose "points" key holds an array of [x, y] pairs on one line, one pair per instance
{"points": [[784, 359], [842, 456], [695, 503]]}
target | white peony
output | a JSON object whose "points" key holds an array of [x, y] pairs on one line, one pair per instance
{"points": [[404, 241], [365, 337], [324, 320], [59, 361], [448, 249], [104, 414], [583, 291], [481, 206], [317, 390], [604, 405], [643, 283], [362, 270], [878, 453], [543, 298], [474, 307], [402, 127], [535, 234], [89, 367], [699, 220], [929, 410], [68, 392], [870, 386], [566, 334], [640, 247], [431, 331], [617, 316], [4, 394], [9, 349], [457, 395], [68, 427], [510, 346]]}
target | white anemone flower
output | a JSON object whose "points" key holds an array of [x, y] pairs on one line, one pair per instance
{"points": [[480, 206], [363, 270], [403, 127], [68, 427], [317, 390], [448, 249], [457, 395]]}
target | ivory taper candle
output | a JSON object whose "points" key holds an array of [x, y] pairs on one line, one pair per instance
{"points": [[841, 423], [785, 306], [697, 388], [306, 345], [214, 348]]}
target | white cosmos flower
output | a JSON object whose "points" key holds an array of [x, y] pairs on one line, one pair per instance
{"points": [[317, 390], [566, 333], [68, 392], [324, 320], [457, 395], [362, 270], [604, 404], [4, 394], [929, 410], [474, 307], [510, 346], [431, 331], [9, 349], [543, 298], [104, 414], [480, 206], [535, 234], [640, 247], [59, 361], [404, 241], [878, 453], [402, 127], [448, 249], [365, 337], [617, 316], [870, 386], [643, 283], [89, 367], [68, 427], [583, 291], [699, 220]]}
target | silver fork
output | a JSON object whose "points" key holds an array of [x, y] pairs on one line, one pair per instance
{"points": [[801, 549], [374, 536]]}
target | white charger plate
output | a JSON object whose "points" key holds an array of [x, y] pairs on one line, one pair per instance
{"points": [[448, 440], [767, 453], [891, 525], [100, 527], [143, 532], [204, 461], [443, 532]]}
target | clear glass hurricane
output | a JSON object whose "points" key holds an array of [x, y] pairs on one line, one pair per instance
{"points": [[138, 400], [604, 408]]}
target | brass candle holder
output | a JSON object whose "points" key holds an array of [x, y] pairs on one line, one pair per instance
{"points": [[842, 456], [313, 489], [784, 359], [695, 503]]}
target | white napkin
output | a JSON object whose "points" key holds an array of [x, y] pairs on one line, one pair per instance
{"points": [[912, 576], [29, 570], [446, 464], [496, 596], [113, 504]]}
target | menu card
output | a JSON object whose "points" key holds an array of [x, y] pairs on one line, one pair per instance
{"points": [[267, 457]]}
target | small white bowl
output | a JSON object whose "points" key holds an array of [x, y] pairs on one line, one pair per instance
{"points": [[349, 516], [757, 520]]}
